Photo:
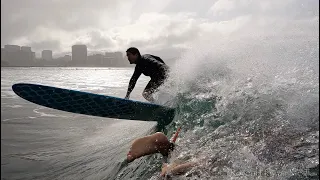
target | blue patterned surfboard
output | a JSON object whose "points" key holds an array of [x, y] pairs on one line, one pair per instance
{"points": [[93, 104]]}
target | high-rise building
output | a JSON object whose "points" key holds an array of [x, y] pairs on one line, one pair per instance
{"points": [[26, 55], [33, 56], [12, 48], [110, 59], [79, 55], [67, 58], [120, 60], [115, 59], [13, 54], [95, 60], [46, 55], [25, 49]]}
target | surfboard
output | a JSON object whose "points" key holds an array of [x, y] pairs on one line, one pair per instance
{"points": [[93, 104]]}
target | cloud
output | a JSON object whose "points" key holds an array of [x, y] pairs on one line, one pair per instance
{"points": [[153, 26], [223, 5], [98, 41], [48, 44]]}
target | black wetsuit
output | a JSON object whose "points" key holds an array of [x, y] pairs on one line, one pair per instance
{"points": [[152, 66]]}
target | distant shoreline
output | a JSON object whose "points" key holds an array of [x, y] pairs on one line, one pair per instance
{"points": [[74, 66]]}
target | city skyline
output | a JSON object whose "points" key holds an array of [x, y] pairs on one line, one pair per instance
{"points": [[38, 54], [15, 55]]}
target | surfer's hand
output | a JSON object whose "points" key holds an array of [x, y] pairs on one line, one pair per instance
{"points": [[164, 169], [127, 97]]}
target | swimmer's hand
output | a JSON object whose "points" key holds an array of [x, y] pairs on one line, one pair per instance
{"points": [[164, 170]]}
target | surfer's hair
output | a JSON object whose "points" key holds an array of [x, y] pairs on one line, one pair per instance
{"points": [[170, 149], [133, 50], [172, 146]]}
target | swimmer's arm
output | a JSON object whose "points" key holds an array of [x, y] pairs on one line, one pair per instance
{"points": [[177, 169], [182, 168]]}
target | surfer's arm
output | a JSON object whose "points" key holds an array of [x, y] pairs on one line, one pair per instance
{"points": [[177, 169], [133, 81]]}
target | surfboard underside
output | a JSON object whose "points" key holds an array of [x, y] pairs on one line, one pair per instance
{"points": [[93, 104]]}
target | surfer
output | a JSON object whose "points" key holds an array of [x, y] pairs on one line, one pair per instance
{"points": [[159, 143], [155, 143], [149, 65]]}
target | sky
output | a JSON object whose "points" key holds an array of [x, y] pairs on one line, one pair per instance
{"points": [[166, 28]]}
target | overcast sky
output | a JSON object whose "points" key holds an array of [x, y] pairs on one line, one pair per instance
{"points": [[166, 27]]}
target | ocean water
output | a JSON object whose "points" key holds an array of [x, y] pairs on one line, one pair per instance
{"points": [[239, 125], [247, 110], [42, 143]]}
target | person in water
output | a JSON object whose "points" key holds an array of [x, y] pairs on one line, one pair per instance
{"points": [[159, 143], [152, 144], [149, 65]]}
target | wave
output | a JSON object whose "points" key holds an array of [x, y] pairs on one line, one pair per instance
{"points": [[248, 113]]}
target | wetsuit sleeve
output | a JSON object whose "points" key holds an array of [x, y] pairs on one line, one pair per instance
{"points": [[133, 80]]}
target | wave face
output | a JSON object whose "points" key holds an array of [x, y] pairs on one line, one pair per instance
{"points": [[248, 109]]}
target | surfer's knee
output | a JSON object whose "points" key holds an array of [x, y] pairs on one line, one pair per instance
{"points": [[144, 94], [148, 96]]}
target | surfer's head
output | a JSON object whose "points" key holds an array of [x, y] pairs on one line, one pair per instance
{"points": [[168, 149], [133, 55], [172, 146]]}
